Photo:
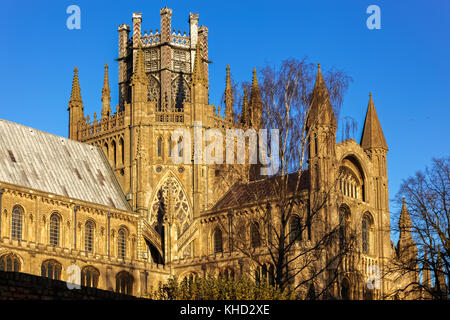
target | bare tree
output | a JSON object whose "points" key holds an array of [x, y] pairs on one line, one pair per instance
{"points": [[285, 212], [424, 220]]}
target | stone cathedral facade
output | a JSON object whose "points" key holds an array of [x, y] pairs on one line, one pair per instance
{"points": [[110, 200]]}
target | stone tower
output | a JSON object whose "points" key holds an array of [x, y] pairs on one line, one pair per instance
{"points": [[375, 146], [163, 87], [321, 129]]}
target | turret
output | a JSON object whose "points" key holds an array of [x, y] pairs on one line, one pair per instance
{"points": [[124, 31], [166, 59], [75, 108], [203, 39], [321, 128], [375, 146]]}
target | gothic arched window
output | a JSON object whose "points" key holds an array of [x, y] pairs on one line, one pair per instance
{"points": [[121, 151], [9, 262], [218, 246], [114, 151], [255, 237], [295, 229], [345, 289], [169, 143], [344, 216], [160, 147], [54, 229], [124, 283], [16, 223], [106, 150], [89, 237], [180, 147], [89, 277], [51, 269], [366, 230], [121, 243]]}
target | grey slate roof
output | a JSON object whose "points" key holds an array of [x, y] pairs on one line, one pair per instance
{"points": [[54, 164]]}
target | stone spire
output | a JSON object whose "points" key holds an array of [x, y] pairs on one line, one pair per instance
{"points": [[198, 74], [228, 96], [255, 103], [405, 220], [106, 95], [75, 96], [320, 109], [139, 75], [406, 246], [372, 136]]}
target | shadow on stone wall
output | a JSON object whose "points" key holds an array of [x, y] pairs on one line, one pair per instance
{"points": [[22, 286]]}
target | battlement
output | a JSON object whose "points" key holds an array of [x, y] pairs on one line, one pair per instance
{"points": [[91, 129]]}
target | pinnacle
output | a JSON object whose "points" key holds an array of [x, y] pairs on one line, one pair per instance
{"points": [[254, 79], [228, 95], [198, 72], [106, 93], [139, 69], [106, 79], [75, 95]]}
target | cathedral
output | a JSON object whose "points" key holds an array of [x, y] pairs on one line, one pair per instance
{"points": [[109, 199]]}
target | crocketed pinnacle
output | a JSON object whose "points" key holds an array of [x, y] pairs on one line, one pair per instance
{"points": [[139, 75], [75, 95], [228, 96], [245, 113], [106, 94], [255, 97], [106, 91], [198, 75], [255, 103], [372, 136], [254, 80]]}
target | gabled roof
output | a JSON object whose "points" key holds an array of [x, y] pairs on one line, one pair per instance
{"points": [[46, 162], [241, 194]]}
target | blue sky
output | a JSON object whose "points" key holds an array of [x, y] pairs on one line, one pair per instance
{"points": [[405, 64]]}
